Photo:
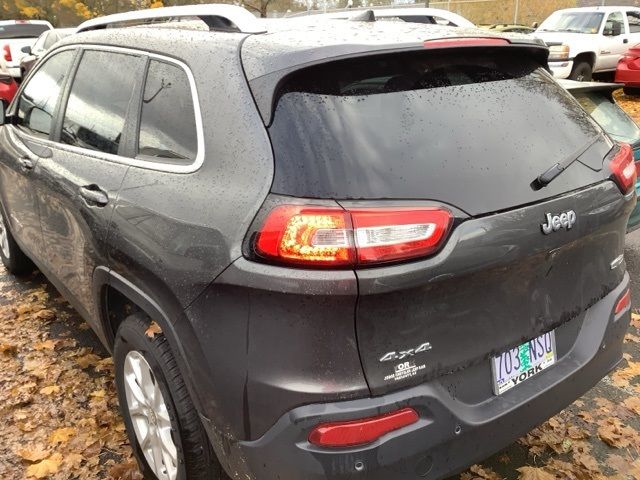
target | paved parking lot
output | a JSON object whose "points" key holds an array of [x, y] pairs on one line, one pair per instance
{"points": [[60, 415]]}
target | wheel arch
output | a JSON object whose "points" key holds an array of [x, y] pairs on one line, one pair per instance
{"points": [[135, 299], [589, 57]]}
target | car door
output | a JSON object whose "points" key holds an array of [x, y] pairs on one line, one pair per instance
{"points": [[23, 144], [614, 42], [85, 171]]}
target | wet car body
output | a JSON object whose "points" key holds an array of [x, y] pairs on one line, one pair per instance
{"points": [[280, 351]]}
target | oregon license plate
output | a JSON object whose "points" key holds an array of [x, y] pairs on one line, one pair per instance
{"points": [[517, 365]]}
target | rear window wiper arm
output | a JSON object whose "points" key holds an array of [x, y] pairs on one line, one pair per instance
{"points": [[551, 173]]}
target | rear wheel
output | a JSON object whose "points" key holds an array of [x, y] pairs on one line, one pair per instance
{"points": [[631, 91], [581, 72], [13, 258], [163, 426]]}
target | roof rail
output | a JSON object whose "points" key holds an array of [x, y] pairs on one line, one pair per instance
{"points": [[215, 15]]}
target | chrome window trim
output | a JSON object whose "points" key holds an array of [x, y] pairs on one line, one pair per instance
{"points": [[134, 162]]}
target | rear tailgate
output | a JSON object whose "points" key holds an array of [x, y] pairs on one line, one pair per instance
{"points": [[498, 282], [469, 129]]}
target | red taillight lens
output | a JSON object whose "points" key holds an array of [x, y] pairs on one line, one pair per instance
{"points": [[318, 236], [7, 53], [623, 168], [336, 237], [624, 302], [361, 432]]}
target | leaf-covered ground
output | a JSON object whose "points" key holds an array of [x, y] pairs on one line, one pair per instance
{"points": [[61, 421], [58, 406]]}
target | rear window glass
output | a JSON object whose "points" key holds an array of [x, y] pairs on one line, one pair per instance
{"points": [[416, 125], [22, 30]]}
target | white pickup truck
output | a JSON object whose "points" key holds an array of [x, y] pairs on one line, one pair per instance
{"points": [[14, 35], [586, 40]]}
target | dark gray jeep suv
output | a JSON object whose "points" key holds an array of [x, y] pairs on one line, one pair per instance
{"points": [[374, 250]]}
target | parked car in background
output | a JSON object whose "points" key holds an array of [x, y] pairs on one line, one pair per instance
{"points": [[584, 41], [328, 240], [8, 88], [598, 100], [42, 45], [432, 16], [628, 71], [15, 34], [508, 28]]}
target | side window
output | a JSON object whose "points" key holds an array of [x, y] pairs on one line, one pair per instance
{"points": [[52, 38], [614, 25], [634, 21], [443, 21], [167, 124], [98, 100], [40, 42], [39, 97]]}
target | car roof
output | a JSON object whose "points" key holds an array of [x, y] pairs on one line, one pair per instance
{"points": [[25, 22], [387, 12], [604, 9], [286, 42]]}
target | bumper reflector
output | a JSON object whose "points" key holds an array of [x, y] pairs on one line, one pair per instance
{"points": [[624, 302], [361, 432]]}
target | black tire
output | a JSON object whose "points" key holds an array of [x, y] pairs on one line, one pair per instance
{"points": [[631, 91], [196, 459], [581, 72], [14, 260]]}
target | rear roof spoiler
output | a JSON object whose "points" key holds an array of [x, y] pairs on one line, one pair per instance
{"points": [[216, 16]]}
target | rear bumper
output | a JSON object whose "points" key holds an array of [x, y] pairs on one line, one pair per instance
{"points": [[561, 69], [631, 78], [451, 434]]}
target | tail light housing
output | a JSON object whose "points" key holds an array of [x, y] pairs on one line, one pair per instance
{"points": [[361, 432], [623, 168], [332, 236], [6, 53]]}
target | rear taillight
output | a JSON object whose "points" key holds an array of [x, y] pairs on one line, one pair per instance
{"points": [[6, 52], [623, 303], [360, 236], [361, 432], [623, 168]]}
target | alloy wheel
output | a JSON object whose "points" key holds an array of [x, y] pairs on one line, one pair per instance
{"points": [[150, 417]]}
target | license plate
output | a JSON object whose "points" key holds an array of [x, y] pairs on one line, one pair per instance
{"points": [[519, 364]]}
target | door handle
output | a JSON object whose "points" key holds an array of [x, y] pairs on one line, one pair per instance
{"points": [[94, 195], [26, 163], [626, 40]]}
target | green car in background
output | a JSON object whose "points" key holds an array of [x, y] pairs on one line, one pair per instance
{"points": [[597, 99]]}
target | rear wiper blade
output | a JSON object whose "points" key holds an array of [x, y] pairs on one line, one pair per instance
{"points": [[551, 173]]}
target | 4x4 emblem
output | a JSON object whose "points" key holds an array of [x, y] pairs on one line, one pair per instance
{"points": [[556, 222], [401, 355]]}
